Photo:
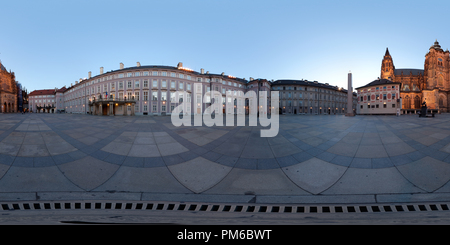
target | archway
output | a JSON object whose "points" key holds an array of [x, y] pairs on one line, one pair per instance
{"points": [[442, 104]]}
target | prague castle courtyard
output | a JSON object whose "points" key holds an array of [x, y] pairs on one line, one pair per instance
{"points": [[313, 159]]}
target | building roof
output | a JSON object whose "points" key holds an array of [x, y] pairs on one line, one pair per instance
{"points": [[306, 83], [42, 92], [406, 72], [61, 90], [378, 82], [172, 68]]}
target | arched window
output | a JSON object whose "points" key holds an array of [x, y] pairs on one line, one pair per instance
{"points": [[407, 102], [405, 87], [417, 102]]}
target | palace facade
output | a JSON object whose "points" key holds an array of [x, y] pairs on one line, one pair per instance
{"points": [[430, 85], [150, 90]]}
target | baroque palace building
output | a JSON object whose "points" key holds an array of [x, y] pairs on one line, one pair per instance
{"points": [[430, 85], [8, 90], [150, 90]]}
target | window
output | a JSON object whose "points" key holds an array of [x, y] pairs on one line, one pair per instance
{"points": [[136, 74], [180, 85], [393, 105], [155, 83], [172, 84], [163, 108], [145, 73], [164, 73], [145, 108], [393, 96], [154, 95], [136, 107], [155, 73], [154, 108], [136, 95], [188, 86], [164, 84], [172, 74], [145, 83], [384, 96], [163, 95], [113, 86], [145, 95]]}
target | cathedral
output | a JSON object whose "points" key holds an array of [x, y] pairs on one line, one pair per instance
{"points": [[8, 90], [430, 85]]}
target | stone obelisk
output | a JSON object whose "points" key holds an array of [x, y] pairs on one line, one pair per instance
{"points": [[349, 97]]}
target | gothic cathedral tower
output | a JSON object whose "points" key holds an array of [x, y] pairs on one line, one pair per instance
{"points": [[437, 68], [387, 67]]}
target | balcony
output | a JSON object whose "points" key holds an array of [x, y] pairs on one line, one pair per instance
{"points": [[111, 99]]}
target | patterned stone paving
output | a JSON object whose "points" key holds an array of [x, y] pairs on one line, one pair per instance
{"points": [[311, 155]]}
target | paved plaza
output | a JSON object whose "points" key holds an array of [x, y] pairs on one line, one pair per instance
{"points": [[318, 159]]}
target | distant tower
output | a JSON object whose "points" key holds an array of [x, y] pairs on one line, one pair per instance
{"points": [[387, 67]]}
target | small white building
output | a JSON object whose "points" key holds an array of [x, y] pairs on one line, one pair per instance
{"points": [[381, 96]]}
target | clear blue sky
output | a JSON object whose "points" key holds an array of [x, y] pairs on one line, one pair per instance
{"points": [[54, 43]]}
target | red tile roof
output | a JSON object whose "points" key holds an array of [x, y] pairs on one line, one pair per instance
{"points": [[47, 91], [42, 92]]}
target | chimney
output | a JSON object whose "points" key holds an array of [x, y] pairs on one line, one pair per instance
{"points": [[101, 70], [251, 78], [207, 72], [223, 73], [180, 64], [138, 64], [121, 65], [89, 76], [202, 71]]}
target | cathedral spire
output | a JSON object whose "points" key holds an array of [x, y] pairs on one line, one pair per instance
{"points": [[387, 52], [387, 66]]}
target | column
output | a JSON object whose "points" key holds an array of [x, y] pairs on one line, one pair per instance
{"points": [[111, 109], [124, 108], [349, 97], [132, 109]]}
